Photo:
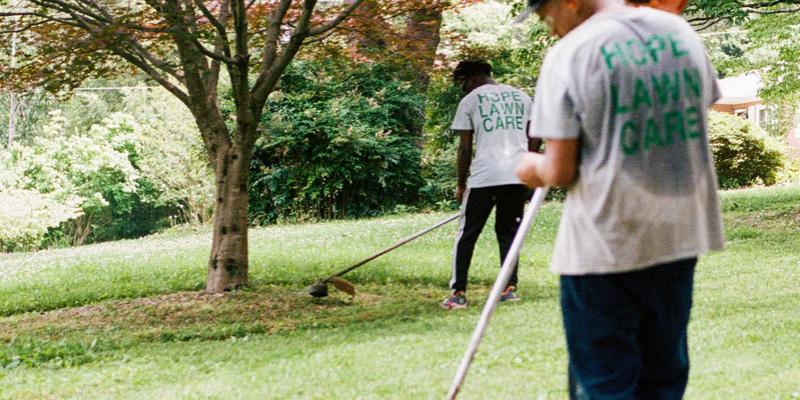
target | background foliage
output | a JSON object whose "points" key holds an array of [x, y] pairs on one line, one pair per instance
{"points": [[744, 154], [341, 141], [92, 173], [344, 137], [480, 31]]}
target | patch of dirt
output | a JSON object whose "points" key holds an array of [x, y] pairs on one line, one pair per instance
{"points": [[787, 219], [196, 315]]}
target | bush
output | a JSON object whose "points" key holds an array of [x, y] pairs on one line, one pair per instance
{"points": [[94, 169], [790, 173], [744, 154], [170, 154], [130, 173], [26, 216], [439, 172], [339, 140]]}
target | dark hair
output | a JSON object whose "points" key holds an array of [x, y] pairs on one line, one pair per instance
{"points": [[466, 69], [639, 1]]}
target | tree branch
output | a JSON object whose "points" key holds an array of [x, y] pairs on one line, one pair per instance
{"points": [[704, 21], [211, 54], [153, 74], [71, 9], [219, 26], [212, 79], [336, 21], [267, 79], [240, 28], [273, 35]]}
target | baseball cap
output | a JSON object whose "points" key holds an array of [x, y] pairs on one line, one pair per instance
{"points": [[533, 5]]}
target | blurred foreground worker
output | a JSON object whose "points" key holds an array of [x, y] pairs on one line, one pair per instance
{"points": [[622, 103]]}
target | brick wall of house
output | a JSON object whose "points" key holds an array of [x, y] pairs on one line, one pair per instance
{"points": [[724, 108], [731, 108]]}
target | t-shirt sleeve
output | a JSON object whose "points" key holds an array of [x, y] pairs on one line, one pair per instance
{"points": [[713, 90], [716, 93], [463, 119], [553, 114]]}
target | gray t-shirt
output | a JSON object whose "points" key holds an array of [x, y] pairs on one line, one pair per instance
{"points": [[634, 87], [498, 115]]}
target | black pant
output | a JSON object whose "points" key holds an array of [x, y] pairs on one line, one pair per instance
{"points": [[626, 332], [509, 201]]}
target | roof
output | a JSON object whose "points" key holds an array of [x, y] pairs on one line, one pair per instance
{"points": [[740, 89]]}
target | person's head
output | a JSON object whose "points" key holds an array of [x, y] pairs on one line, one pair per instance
{"points": [[468, 75], [673, 6], [562, 16]]}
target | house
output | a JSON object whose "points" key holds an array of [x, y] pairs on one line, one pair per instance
{"points": [[740, 97]]}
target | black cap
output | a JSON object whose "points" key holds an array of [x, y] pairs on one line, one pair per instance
{"points": [[468, 68], [533, 5]]}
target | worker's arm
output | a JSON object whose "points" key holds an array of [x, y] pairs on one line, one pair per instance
{"points": [[558, 166], [463, 161]]}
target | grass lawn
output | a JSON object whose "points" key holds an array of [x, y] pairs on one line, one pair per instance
{"points": [[126, 320]]}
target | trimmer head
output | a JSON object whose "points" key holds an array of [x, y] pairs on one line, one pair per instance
{"points": [[343, 285], [318, 289]]}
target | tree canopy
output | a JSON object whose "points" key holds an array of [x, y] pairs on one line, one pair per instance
{"points": [[185, 46]]}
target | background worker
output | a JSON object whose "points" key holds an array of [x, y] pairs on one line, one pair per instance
{"points": [[622, 101], [496, 117]]}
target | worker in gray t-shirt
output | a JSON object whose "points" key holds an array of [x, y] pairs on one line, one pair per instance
{"points": [[495, 117], [622, 101]]}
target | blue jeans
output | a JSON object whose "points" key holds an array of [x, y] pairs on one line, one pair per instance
{"points": [[626, 332]]}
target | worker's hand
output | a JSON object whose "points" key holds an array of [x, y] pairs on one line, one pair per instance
{"points": [[460, 194], [528, 170]]}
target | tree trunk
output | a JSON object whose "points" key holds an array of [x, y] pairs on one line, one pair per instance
{"points": [[423, 30], [227, 264], [12, 120], [371, 35], [12, 114]]}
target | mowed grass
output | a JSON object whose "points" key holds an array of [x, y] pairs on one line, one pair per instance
{"points": [[126, 320]]}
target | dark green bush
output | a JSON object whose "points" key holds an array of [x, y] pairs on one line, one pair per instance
{"points": [[743, 153], [338, 140], [439, 172]]}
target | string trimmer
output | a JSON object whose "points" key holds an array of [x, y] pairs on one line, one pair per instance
{"points": [[320, 288]]}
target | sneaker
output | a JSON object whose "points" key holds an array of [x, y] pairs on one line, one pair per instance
{"points": [[455, 301], [510, 294]]}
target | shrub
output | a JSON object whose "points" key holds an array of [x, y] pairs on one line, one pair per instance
{"points": [[744, 154], [131, 172], [26, 216], [170, 154], [339, 140], [790, 173], [439, 172], [94, 168]]}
